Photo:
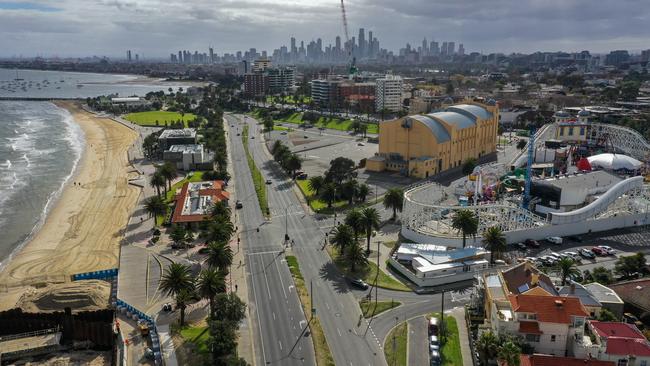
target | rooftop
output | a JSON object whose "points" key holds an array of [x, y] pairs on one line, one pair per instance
{"points": [[635, 292], [183, 132], [627, 346], [579, 291], [549, 360], [436, 254], [616, 329], [190, 148], [593, 179], [603, 294], [525, 276], [195, 199], [549, 309]]}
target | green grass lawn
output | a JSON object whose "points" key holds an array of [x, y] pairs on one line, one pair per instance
{"points": [[150, 118], [258, 180], [197, 343], [368, 307], [396, 345], [333, 123], [367, 274], [450, 354], [317, 204]]}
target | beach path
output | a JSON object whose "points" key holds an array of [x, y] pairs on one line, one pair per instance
{"points": [[83, 230]]}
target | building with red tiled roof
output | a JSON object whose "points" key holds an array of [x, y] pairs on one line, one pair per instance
{"points": [[621, 343], [193, 202], [550, 360], [636, 295]]}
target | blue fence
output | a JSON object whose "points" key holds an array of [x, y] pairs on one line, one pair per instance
{"points": [[153, 331], [96, 275]]}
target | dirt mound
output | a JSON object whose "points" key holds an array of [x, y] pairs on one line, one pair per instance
{"points": [[79, 295], [86, 358]]}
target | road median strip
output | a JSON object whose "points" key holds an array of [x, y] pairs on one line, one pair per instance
{"points": [[258, 181]]}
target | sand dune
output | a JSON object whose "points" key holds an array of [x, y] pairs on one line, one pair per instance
{"points": [[83, 231]]}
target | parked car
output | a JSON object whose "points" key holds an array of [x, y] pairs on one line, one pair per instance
{"points": [[599, 251], [608, 250], [434, 343], [586, 253], [554, 239], [531, 243], [302, 176], [434, 358], [358, 283], [268, 181], [433, 326], [238, 204], [520, 246], [500, 262], [573, 255]]}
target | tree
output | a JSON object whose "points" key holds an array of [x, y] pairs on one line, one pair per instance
{"points": [[340, 169], [449, 90], [168, 171], [292, 164], [220, 209], [494, 241], [607, 316], [268, 124], [362, 192], [316, 183], [157, 180], [355, 257], [155, 206], [220, 256], [509, 353], [469, 165], [487, 346], [629, 266], [354, 219], [465, 222], [210, 283], [219, 229], [178, 233], [328, 194], [182, 299], [229, 308], [629, 90], [276, 145], [521, 144], [349, 190], [602, 275], [177, 280], [370, 220], [394, 199], [566, 268], [343, 237]]}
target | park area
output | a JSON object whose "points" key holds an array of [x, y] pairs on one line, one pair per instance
{"points": [[333, 123], [159, 118]]}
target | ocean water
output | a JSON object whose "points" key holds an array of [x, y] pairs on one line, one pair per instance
{"points": [[40, 146], [60, 84]]}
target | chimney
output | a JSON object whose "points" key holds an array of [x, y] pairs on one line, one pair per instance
{"points": [[559, 303]]}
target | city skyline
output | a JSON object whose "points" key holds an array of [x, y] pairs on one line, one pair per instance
{"points": [[148, 27]]}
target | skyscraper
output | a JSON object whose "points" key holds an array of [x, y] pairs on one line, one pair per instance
{"points": [[128, 55], [443, 49], [362, 42], [461, 49], [451, 48], [434, 49], [425, 47], [211, 55]]}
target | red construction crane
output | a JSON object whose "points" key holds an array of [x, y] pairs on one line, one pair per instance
{"points": [[352, 70]]}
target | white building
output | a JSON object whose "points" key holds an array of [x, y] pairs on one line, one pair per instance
{"points": [[621, 343], [388, 94], [189, 157]]}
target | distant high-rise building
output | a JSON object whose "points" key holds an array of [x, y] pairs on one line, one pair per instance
{"points": [[451, 48], [443, 49], [362, 42], [388, 93], [461, 49], [180, 57], [128, 55], [616, 58], [137, 57], [434, 48], [425, 47], [211, 55], [338, 43]]}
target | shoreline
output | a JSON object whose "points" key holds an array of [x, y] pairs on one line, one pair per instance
{"points": [[83, 229]]}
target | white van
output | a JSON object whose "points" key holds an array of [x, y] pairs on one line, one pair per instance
{"points": [[554, 239]]}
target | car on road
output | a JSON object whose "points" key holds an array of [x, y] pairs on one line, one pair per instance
{"points": [[554, 239], [575, 238], [238, 134], [599, 251], [531, 243], [521, 246], [358, 283], [252, 137], [283, 133], [361, 144], [609, 250], [586, 253], [268, 181], [238, 204]]}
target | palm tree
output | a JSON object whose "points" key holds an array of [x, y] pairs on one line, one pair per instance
{"points": [[210, 283], [168, 171], [219, 256], [316, 183], [370, 220], [220, 209], [177, 281], [487, 346], [157, 180], [354, 219], [509, 354], [355, 257], [466, 222], [219, 229], [182, 298], [494, 241], [566, 268], [155, 206], [343, 237], [394, 199], [349, 190], [328, 194], [362, 192], [293, 163]]}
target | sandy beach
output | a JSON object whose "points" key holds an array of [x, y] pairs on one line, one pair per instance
{"points": [[83, 230]]}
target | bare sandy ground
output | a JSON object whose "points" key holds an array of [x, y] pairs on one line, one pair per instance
{"points": [[83, 231]]}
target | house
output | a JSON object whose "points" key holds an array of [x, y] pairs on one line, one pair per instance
{"points": [[621, 343], [550, 360], [607, 298], [193, 203], [636, 295], [588, 300]]}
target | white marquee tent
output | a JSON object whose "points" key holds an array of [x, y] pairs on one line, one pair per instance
{"points": [[614, 162]]}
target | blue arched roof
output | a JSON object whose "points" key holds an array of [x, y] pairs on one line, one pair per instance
{"points": [[471, 109], [461, 121], [439, 131]]}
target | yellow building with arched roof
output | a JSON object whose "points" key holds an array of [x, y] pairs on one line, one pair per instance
{"points": [[427, 144]]}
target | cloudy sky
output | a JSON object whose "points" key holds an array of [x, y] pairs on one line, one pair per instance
{"points": [[154, 28]]}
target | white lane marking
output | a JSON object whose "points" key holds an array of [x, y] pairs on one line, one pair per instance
{"points": [[339, 331], [280, 343], [327, 306], [259, 323], [273, 315], [268, 288], [281, 282]]}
